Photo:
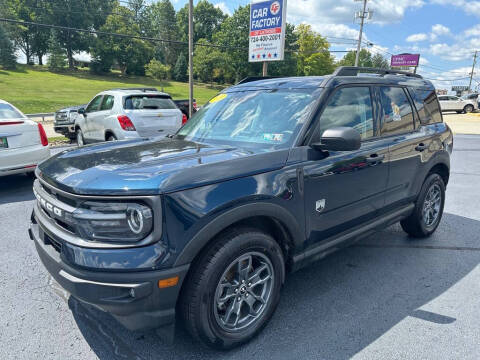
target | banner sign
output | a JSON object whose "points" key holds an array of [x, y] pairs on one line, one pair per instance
{"points": [[405, 60], [267, 30]]}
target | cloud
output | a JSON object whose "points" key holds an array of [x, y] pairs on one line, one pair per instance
{"points": [[224, 7], [469, 6], [417, 37], [342, 11], [439, 30]]}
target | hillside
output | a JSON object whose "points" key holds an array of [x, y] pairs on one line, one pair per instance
{"points": [[36, 90]]}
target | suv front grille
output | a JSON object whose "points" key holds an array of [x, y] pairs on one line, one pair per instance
{"points": [[59, 197]]}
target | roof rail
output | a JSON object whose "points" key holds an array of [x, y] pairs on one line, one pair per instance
{"points": [[133, 88], [355, 71], [255, 78]]}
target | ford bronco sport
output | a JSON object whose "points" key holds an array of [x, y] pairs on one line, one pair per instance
{"points": [[267, 177]]}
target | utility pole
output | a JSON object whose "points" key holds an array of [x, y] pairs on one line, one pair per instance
{"points": [[473, 70], [190, 57], [362, 15]]}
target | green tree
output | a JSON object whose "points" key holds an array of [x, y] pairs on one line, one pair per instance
{"points": [[287, 67], [138, 8], [207, 21], [162, 24], [234, 37], [182, 23], [156, 70], [57, 58], [364, 59], [313, 53], [208, 62], [22, 35], [7, 52], [82, 14], [180, 72], [378, 61], [131, 55]]}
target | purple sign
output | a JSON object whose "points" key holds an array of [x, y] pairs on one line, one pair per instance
{"points": [[405, 60]]}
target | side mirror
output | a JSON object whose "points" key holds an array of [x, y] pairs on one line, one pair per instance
{"points": [[339, 139], [81, 111]]}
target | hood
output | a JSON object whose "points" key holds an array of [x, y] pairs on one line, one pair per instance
{"points": [[148, 167], [70, 108]]}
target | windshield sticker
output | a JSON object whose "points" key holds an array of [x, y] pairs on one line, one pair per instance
{"points": [[273, 137], [218, 98]]}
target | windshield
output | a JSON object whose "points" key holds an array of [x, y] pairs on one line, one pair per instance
{"points": [[261, 118], [8, 112], [149, 102]]}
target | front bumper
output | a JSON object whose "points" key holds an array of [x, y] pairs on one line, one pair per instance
{"points": [[64, 129], [133, 298]]}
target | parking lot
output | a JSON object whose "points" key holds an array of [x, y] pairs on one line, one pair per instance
{"points": [[387, 297]]}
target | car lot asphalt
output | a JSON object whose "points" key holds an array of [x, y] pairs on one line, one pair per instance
{"points": [[388, 297]]}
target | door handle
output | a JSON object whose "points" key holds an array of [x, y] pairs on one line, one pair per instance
{"points": [[375, 159], [421, 147]]}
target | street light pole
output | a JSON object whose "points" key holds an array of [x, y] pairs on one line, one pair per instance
{"points": [[473, 70], [190, 57], [362, 21]]}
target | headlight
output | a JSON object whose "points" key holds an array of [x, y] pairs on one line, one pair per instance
{"points": [[113, 222]]}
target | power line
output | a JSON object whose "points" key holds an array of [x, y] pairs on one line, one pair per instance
{"points": [[139, 37]]}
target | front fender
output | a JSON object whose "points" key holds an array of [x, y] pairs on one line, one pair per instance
{"points": [[223, 221]]}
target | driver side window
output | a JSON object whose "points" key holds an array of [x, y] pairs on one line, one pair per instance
{"points": [[94, 104], [350, 107]]}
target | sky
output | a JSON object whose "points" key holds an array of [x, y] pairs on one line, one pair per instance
{"points": [[445, 32]]}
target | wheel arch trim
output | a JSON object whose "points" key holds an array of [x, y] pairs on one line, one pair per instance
{"points": [[229, 218]]}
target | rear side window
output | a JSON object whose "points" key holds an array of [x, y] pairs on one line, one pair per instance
{"points": [[107, 103], [397, 112], [8, 112], [351, 107], [427, 106], [143, 102]]}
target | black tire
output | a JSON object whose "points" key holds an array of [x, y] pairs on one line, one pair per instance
{"points": [[417, 224], [199, 304], [80, 138], [468, 109], [111, 137]]}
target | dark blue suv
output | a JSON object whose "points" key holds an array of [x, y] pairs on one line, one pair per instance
{"points": [[267, 177]]}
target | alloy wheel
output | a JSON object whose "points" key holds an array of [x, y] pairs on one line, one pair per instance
{"points": [[432, 205], [243, 292]]}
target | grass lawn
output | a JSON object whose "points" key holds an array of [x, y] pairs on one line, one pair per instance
{"points": [[33, 89]]}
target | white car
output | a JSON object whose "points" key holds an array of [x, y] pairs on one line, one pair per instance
{"points": [[23, 142], [455, 103], [121, 114]]}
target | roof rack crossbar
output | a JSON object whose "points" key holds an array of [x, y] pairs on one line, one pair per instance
{"points": [[354, 71]]}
